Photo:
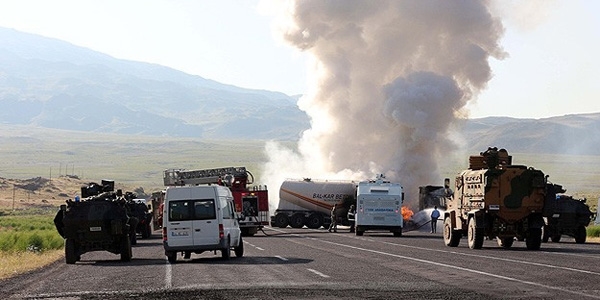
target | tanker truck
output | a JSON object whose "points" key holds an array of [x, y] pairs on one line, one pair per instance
{"points": [[307, 202], [497, 200]]}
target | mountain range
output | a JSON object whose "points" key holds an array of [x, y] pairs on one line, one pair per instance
{"points": [[49, 83]]}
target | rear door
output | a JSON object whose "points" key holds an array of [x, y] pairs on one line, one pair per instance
{"points": [[205, 224], [178, 219]]}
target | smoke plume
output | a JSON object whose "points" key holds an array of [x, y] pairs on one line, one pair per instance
{"points": [[388, 80]]}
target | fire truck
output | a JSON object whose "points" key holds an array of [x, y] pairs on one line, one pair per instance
{"points": [[251, 201]]}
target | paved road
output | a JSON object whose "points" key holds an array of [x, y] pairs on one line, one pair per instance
{"points": [[314, 264]]}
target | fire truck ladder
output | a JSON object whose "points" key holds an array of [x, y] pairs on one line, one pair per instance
{"points": [[175, 177]]}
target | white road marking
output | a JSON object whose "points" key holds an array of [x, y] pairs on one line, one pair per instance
{"points": [[168, 275], [259, 248], [282, 258], [319, 273]]}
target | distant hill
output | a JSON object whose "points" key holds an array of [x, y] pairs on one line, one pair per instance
{"points": [[50, 83]]}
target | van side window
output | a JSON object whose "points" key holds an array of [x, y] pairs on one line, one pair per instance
{"points": [[179, 210], [227, 208], [204, 209]]}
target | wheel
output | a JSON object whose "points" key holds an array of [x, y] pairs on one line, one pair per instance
{"points": [[126, 248], [297, 220], [147, 232], [545, 233], [533, 241], [187, 255], [70, 251], [359, 232], [505, 242], [451, 237], [397, 233], [281, 220], [172, 257], [580, 235], [226, 252], [314, 221], [239, 250], [555, 238], [474, 235]]}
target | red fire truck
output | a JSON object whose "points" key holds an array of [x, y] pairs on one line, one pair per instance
{"points": [[251, 201]]}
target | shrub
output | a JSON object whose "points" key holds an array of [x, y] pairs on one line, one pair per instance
{"points": [[593, 231]]}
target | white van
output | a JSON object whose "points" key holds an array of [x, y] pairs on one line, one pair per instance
{"points": [[198, 219]]}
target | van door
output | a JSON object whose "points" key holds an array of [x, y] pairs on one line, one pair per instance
{"points": [[179, 225], [205, 224], [230, 222]]}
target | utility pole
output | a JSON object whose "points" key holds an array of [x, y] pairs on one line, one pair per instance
{"points": [[14, 197]]}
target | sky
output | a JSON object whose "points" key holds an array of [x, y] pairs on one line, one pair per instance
{"points": [[550, 67]]}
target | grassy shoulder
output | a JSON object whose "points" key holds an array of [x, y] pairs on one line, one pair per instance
{"points": [[16, 263]]}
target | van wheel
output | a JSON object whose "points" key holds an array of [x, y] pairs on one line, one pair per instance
{"points": [[172, 257], [239, 250], [226, 252]]}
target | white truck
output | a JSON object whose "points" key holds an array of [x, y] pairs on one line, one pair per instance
{"points": [[379, 207], [308, 202]]}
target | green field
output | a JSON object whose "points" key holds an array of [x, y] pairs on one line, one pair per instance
{"points": [[28, 232]]}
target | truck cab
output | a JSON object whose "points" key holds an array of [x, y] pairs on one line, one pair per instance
{"points": [[198, 219]]}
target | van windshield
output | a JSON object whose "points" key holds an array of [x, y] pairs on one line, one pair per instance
{"points": [[197, 209]]}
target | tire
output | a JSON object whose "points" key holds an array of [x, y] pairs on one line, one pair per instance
{"points": [[505, 242], [314, 221], [533, 241], [555, 238], [580, 235], [451, 237], [545, 233], [359, 232], [239, 250], [474, 235], [147, 232], [172, 257], [281, 220], [397, 233], [133, 238], [70, 251], [126, 248], [297, 220], [226, 252]]}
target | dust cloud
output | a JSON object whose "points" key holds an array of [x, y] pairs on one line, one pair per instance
{"points": [[388, 79]]}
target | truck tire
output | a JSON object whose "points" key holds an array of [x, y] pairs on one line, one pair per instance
{"points": [[297, 220], [239, 250], [580, 235], [398, 233], [474, 235], [147, 232], [451, 237], [314, 221], [505, 242], [226, 252], [70, 251], [555, 238], [172, 257], [125, 248], [359, 231], [533, 241], [281, 220]]}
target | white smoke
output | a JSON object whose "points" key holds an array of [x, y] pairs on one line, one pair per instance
{"points": [[389, 79]]}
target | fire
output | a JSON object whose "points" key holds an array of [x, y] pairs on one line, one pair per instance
{"points": [[407, 213]]}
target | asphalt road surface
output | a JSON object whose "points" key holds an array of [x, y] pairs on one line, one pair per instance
{"points": [[314, 264]]}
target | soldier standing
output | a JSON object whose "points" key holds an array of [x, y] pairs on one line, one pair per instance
{"points": [[333, 224], [351, 217]]}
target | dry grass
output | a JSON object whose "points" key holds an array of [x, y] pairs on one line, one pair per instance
{"points": [[19, 263]]}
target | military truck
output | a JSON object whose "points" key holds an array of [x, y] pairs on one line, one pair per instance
{"points": [[565, 215], [497, 200], [96, 222]]}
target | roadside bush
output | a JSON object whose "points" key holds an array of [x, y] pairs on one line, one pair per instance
{"points": [[35, 233], [593, 231]]}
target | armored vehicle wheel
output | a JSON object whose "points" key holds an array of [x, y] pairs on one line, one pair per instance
{"points": [[555, 238], [359, 232], [126, 249], [474, 235], [451, 237], [545, 233], [505, 242], [297, 220], [580, 235], [70, 251], [314, 221], [281, 220], [172, 257], [147, 231], [187, 255], [226, 252], [239, 250], [397, 233], [533, 241]]}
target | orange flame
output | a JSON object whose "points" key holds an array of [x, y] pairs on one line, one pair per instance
{"points": [[407, 213]]}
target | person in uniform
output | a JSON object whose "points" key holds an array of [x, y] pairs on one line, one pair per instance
{"points": [[435, 214], [351, 217], [333, 224]]}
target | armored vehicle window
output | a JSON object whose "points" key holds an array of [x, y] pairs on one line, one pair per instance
{"points": [[204, 209]]}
